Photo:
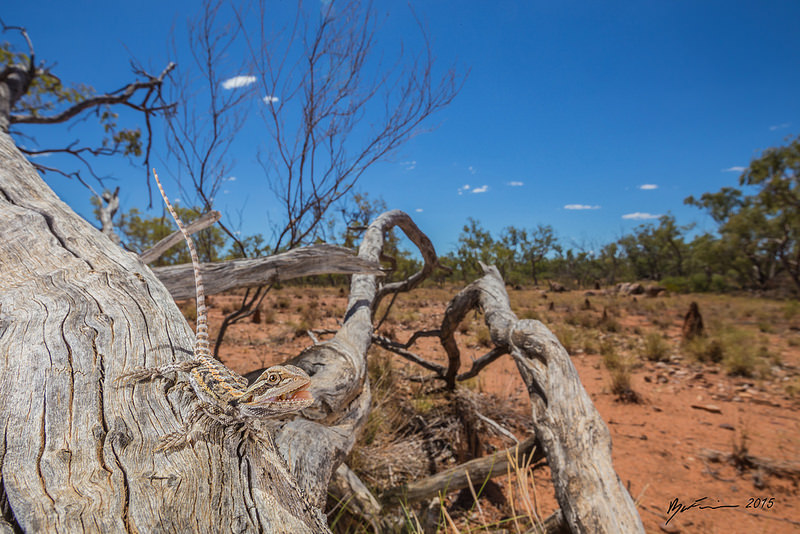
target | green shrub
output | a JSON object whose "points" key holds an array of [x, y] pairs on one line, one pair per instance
{"points": [[736, 350], [676, 284], [719, 284], [621, 385], [703, 349], [568, 339], [655, 348]]}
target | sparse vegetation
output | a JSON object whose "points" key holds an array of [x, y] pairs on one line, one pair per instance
{"points": [[483, 337], [733, 346], [655, 348]]}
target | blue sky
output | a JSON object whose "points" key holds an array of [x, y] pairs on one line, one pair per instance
{"points": [[587, 116]]}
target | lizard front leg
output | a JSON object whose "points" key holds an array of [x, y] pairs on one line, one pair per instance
{"points": [[149, 373]]}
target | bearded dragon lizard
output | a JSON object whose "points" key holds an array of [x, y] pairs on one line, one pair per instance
{"points": [[225, 399]]}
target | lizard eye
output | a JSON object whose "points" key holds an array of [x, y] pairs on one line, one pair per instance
{"points": [[273, 377]]}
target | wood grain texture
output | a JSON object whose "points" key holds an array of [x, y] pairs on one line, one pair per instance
{"points": [[573, 436], [338, 368], [76, 311], [153, 253], [233, 274]]}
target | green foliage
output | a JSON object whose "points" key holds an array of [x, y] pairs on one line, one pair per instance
{"points": [[757, 245], [356, 217], [657, 251], [698, 282], [475, 245], [704, 350], [655, 348], [736, 350], [760, 223], [46, 93]]}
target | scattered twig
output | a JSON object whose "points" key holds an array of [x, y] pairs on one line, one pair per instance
{"points": [[497, 426]]}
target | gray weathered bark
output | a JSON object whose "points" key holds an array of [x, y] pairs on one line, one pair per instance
{"points": [[573, 436], [76, 311], [204, 221], [235, 274], [339, 370], [109, 204]]}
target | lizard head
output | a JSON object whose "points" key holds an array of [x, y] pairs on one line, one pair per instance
{"points": [[280, 389]]}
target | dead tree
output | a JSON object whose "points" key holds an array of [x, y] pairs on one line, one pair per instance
{"points": [[573, 437], [76, 311]]}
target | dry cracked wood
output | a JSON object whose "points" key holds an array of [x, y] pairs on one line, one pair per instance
{"points": [[76, 311], [339, 369], [234, 274], [573, 436], [455, 478], [153, 253]]}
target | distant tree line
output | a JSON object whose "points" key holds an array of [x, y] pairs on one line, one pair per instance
{"points": [[756, 245]]}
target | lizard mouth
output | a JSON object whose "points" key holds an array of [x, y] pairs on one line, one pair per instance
{"points": [[297, 395]]}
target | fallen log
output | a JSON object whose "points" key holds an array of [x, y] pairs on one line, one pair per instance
{"points": [[226, 275], [457, 477]]}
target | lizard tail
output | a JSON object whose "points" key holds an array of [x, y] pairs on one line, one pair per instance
{"points": [[201, 346]]}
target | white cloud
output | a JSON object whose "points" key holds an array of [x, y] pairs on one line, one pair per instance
{"points": [[463, 188], [238, 81], [418, 210], [230, 179], [226, 191], [409, 165], [472, 170], [481, 189], [640, 216], [734, 169], [516, 184], [269, 99], [779, 126], [581, 207], [648, 187]]}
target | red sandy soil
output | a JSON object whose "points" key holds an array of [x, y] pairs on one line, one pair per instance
{"points": [[656, 443]]}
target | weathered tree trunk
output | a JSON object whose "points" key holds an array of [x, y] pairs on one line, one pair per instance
{"points": [[338, 368], [76, 311], [574, 438]]}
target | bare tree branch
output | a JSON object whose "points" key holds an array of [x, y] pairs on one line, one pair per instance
{"points": [[455, 478], [121, 96], [235, 274], [153, 253], [109, 204], [316, 158]]}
